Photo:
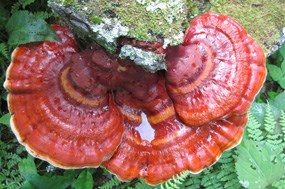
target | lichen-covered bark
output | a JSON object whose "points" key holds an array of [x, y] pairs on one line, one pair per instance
{"points": [[105, 21], [165, 21]]}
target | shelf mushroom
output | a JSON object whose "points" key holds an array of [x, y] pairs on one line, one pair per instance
{"points": [[51, 116], [83, 109]]}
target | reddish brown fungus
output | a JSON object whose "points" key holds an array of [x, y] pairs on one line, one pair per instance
{"points": [[83, 109]]}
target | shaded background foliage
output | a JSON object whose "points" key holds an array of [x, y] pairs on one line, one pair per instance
{"points": [[259, 162]]}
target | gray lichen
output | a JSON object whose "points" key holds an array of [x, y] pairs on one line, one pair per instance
{"points": [[109, 30], [104, 31], [150, 61], [280, 41]]}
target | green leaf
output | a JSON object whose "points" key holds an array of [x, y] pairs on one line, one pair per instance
{"points": [[27, 167], [282, 50], [23, 27], [272, 94], [279, 101], [275, 72], [84, 180], [28, 185], [5, 119], [28, 170], [283, 65], [257, 165], [46, 182], [282, 82]]}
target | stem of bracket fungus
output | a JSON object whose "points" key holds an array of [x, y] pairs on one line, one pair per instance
{"points": [[83, 109]]}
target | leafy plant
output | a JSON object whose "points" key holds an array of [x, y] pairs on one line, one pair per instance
{"points": [[33, 180], [10, 155], [258, 166], [24, 27], [113, 182], [276, 66], [260, 163], [84, 180], [4, 51], [176, 182], [5, 119]]}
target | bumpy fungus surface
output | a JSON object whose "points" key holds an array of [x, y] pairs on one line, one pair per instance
{"points": [[83, 109]]}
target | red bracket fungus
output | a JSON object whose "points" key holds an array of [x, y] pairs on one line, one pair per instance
{"points": [[83, 109]]}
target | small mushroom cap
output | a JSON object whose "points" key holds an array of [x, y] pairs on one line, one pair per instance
{"points": [[216, 72], [54, 120]]}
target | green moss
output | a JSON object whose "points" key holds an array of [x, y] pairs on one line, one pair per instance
{"points": [[141, 23], [194, 7], [96, 19], [263, 19], [153, 21]]}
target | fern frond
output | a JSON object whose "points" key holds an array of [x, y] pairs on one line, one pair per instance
{"points": [[176, 181], [227, 173], [273, 138], [253, 128], [15, 7], [141, 185], [25, 3], [209, 178], [280, 183], [194, 182], [282, 124], [21, 3], [282, 133], [4, 50], [269, 120], [169, 185], [111, 183]]}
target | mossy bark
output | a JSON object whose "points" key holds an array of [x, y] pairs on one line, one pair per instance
{"points": [[166, 20], [263, 19]]}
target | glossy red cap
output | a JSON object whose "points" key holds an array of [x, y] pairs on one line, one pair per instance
{"points": [[50, 116], [216, 72]]}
